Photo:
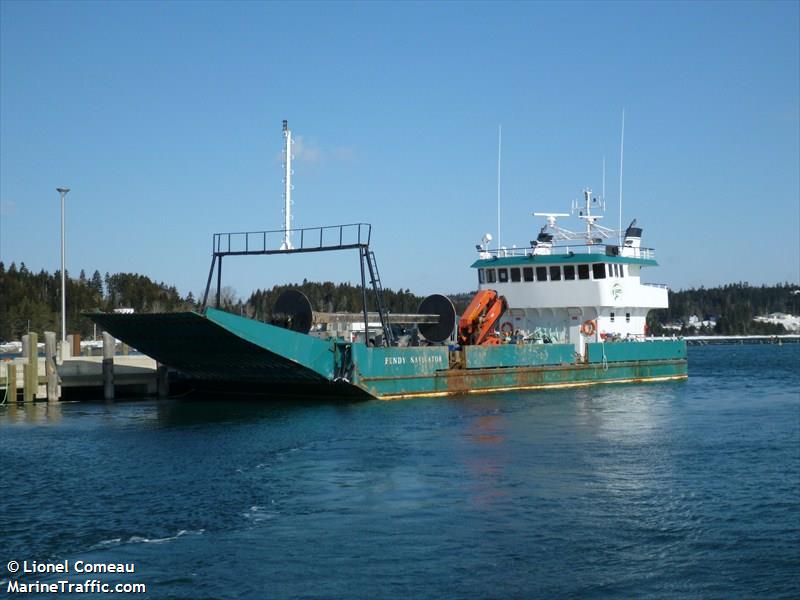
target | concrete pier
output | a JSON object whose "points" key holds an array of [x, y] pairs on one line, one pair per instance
{"points": [[704, 340]]}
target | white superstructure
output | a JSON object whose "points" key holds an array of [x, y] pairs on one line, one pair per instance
{"points": [[573, 287]]}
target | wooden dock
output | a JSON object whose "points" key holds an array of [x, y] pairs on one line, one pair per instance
{"points": [[46, 378]]}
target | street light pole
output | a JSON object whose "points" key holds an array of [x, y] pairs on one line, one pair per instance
{"points": [[63, 192]]}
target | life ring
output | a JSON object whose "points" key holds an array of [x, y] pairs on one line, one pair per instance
{"points": [[588, 328], [507, 328]]}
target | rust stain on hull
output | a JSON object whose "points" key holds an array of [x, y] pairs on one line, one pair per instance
{"points": [[524, 387], [480, 381]]}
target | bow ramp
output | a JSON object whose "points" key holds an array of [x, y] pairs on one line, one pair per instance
{"points": [[218, 346]]}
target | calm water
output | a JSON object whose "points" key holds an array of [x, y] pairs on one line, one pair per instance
{"points": [[683, 490]]}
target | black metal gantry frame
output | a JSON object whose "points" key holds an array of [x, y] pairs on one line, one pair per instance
{"points": [[312, 239]]}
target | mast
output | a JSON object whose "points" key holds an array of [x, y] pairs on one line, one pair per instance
{"points": [[604, 179], [499, 147], [592, 228], [621, 155], [287, 194]]}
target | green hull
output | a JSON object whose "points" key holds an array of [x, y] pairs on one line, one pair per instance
{"points": [[218, 348]]}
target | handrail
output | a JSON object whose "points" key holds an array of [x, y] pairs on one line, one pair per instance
{"points": [[311, 239], [599, 249]]}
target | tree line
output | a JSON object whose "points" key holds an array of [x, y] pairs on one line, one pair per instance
{"points": [[731, 307], [328, 297], [32, 302]]}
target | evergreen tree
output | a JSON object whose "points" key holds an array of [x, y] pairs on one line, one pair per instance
{"points": [[96, 283]]}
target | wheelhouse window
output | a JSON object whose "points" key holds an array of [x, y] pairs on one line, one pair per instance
{"points": [[612, 317], [481, 276], [569, 272], [583, 271], [527, 273], [627, 317], [599, 270], [610, 270], [502, 275], [541, 273], [490, 276], [555, 273], [622, 270], [515, 274]]}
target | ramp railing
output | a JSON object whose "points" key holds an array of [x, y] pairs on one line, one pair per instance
{"points": [[308, 239]]}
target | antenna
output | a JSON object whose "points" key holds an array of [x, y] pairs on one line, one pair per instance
{"points": [[551, 217], [287, 194], [499, 147], [604, 179], [621, 155]]}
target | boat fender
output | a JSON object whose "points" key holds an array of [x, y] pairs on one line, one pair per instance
{"points": [[588, 328], [507, 328]]}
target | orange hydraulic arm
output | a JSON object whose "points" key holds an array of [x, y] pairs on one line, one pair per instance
{"points": [[476, 326]]}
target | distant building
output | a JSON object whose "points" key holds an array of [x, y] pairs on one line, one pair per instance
{"points": [[696, 323]]}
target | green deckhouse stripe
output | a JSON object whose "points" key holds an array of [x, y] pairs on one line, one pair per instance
{"points": [[550, 259]]}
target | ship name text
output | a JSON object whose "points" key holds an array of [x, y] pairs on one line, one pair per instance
{"points": [[423, 359]]}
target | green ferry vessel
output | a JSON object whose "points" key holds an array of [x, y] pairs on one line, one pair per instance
{"points": [[567, 309], [545, 316]]}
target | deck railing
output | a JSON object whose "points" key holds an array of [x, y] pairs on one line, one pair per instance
{"points": [[599, 249], [309, 239]]}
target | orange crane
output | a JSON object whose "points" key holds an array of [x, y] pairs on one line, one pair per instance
{"points": [[476, 326]]}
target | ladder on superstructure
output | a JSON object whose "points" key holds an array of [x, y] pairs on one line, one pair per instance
{"points": [[377, 288]]}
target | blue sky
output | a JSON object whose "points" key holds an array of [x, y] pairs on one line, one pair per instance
{"points": [[165, 120]]}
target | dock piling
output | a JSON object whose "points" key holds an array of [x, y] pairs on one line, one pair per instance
{"points": [[30, 345], [108, 366], [11, 381], [76, 344], [50, 365], [28, 391]]}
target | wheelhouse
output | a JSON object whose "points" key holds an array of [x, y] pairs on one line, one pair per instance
{"points": [[568, 287]]}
